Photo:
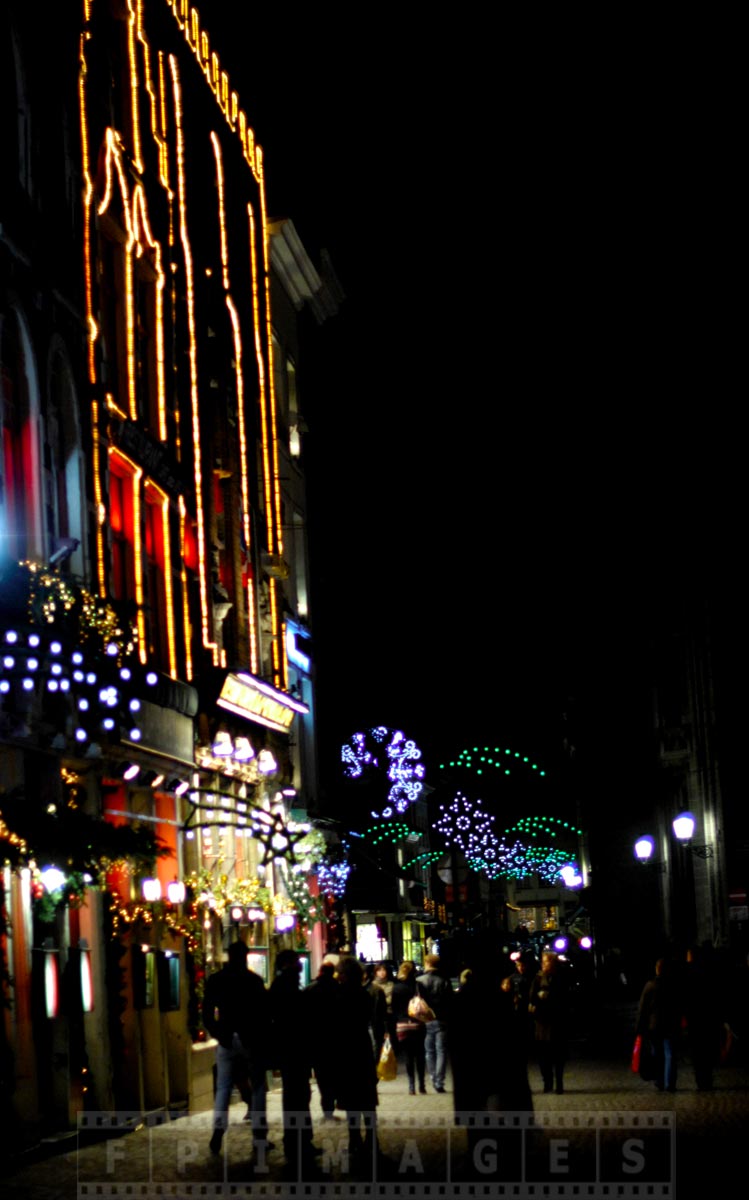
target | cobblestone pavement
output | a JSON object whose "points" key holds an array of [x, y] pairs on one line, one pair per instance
{"points": [[609, 1135]]}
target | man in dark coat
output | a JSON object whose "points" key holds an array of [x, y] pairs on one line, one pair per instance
{"points": [[323, 997], [236, 1012], [292, 1052]]}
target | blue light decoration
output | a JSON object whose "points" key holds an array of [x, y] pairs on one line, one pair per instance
{"points": [[364, 752], [332, 878], [355, 757], [466, 825]]}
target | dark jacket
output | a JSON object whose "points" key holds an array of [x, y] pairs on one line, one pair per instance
{"points": [[437, 992], [236, 1001], [290, 1016], [357, 1083]]}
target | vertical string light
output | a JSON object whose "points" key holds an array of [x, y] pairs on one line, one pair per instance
{"points": [[185, 594], [187, 251]]}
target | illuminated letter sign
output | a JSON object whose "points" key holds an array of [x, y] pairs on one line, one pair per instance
{"points": [[257, 701]]}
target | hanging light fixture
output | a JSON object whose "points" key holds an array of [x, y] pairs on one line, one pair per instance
{"points": [[222, 746]]}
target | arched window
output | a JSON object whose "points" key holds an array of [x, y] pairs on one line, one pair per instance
{"points": [[63, 464], [20, 516]]}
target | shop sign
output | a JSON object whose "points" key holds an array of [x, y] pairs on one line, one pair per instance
{"points": [[257, 701]]}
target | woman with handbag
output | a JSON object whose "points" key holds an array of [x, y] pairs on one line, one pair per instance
{"points": [[410, 1033]]}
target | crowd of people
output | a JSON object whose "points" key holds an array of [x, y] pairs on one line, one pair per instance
{"points": [[488, 1031]]}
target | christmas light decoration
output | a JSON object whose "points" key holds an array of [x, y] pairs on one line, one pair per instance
{"points": [[363, 753], [503, 761], [466, 825]]}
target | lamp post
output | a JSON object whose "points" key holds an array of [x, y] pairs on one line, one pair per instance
{"points": [[682, 892]]}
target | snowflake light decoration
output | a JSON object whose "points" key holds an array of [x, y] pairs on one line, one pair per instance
{"points": [[465, 824]]}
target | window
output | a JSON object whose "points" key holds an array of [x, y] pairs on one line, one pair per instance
{"points": [[122, 523], [156, 606], [63, 467], [20, 517]]}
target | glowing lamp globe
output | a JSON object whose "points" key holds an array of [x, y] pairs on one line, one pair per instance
{"points": [[644, 848], [683, 826]]}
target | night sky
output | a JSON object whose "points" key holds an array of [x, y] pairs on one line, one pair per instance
{"points": [[523, 420]]}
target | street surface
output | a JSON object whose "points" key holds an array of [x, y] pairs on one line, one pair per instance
{"points": [[609, 1135]]}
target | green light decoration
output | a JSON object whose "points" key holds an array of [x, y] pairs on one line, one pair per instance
{"points": [[494, 759], [388, 831], [548, 826], [424, 860]]}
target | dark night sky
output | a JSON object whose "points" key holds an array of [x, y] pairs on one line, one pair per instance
{"points": [[520, 420]]}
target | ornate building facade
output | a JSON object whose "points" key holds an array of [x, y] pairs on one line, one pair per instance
{"points": [[157, 740]]}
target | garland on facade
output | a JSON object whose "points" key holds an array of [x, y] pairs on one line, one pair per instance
{"points": [[76, 612]]}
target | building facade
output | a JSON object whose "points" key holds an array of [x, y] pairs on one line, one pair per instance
{"points": [[157, 738]]}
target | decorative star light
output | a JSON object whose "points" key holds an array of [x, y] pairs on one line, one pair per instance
{"points": [[278, 836]]}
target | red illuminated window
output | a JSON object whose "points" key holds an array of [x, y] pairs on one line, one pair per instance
{"points": [[122, 524], [155, 574]]}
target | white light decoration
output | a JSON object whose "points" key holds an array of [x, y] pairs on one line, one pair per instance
{"points": [[175, 892], [586, 943], [404, 771], [52, 878], [255, 914], [684, 826], [571, 876], [87, 981], [151, 889], [285, 922], [51, 984], [132, 771]]}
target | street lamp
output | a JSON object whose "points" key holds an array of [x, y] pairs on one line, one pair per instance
{"points": [[684, 826]]}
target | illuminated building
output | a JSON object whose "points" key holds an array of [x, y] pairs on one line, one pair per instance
{"points": [[154, 621]]}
